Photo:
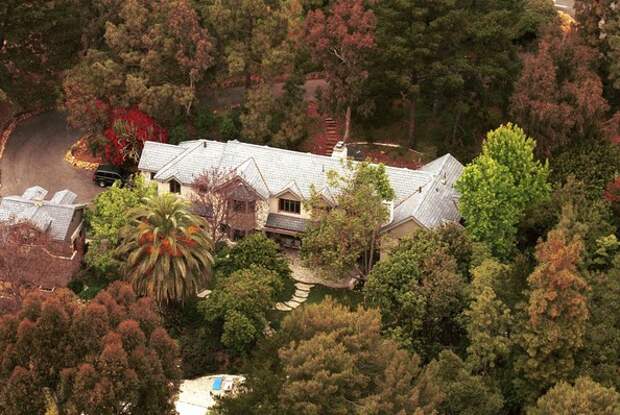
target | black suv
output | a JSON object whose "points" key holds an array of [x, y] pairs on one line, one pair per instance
{"points": [[106, 175]]}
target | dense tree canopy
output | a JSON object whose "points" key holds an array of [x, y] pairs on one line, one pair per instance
{"points": [[420, 294], [557, 310], [584, 397], [154, 56], [108, 356], [239, 304], [37, 41], [559, 96], [329, 360]]}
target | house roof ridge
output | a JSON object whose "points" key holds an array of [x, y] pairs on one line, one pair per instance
{"points": [[260, 173], [177, 158]]}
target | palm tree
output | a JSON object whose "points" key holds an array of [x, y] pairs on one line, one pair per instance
{"points": [[166, 252]]}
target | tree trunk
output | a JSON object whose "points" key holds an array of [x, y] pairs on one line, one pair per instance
{"points": [[347, 125], [371, 255], [412, 124], [248, 81]]}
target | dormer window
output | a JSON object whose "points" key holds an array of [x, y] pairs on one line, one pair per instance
{"points": [[175, 187], [289, 206]]}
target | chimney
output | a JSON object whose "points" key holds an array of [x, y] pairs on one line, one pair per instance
{"points": [[340, 151]]}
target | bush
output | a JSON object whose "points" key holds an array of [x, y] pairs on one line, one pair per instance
{"points": [[255, 249], [205, 123], [178, 134], [230, 126]]}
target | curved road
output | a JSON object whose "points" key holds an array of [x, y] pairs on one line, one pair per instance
{"points": [[34, 155]]}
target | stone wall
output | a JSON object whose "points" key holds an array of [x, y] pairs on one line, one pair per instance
{"points": [[262, 211]]}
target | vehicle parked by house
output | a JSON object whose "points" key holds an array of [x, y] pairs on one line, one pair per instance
{"points": [[107, 174]]}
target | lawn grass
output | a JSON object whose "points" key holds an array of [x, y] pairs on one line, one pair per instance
{"points": [[318, 293], [349, 298]]}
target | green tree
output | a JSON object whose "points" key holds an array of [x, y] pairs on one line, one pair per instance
{"points": [[557, 310], [105, 218], [594, 163], [421, 60], [601, 353], [346, 229], [489, 321], [420, 294], [585, 397], [452, 389], [259, 116], [239, 305], [166, 252], [109, 356], [253, 36], [329, 360], [498, 186], [154, 56], [253, 250]]}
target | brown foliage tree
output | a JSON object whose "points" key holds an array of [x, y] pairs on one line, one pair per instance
{"points": [[558, 309], [107, 357], [340, 41], [559, 96]]}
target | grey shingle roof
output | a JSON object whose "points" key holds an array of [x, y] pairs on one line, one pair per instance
{"points": [[54, 215], [291, 223], [420, 194]]}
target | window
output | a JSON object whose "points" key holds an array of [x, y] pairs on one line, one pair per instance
{"points": [[241, 206], [290, 206], [238, 206], [152, 176], [175, 187]]}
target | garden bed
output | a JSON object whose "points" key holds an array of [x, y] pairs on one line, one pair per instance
{"points": [[80, 156], [389, 154]]}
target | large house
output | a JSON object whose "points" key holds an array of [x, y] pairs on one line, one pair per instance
{"points": [[273, 184], [41, 240]]}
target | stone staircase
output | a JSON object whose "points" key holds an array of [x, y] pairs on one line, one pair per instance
{"points": [[331, 135], [302, 290]]}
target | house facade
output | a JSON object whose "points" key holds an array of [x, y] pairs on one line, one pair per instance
{"points": [[269, 185], [41, 240]]}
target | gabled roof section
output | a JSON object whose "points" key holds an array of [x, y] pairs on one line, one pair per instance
{"points": [[290, 187], [35, 193], [435, 203], [63, 197], [54, 215], [156, 155], [249, 172], [170, 169]]}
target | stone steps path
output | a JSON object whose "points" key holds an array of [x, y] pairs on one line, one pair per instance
{"points": [[302, 290]]}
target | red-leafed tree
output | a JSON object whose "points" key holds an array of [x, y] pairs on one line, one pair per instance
{"points": [[128, 130], [340, 41], [559, 97], [110, 356]]}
